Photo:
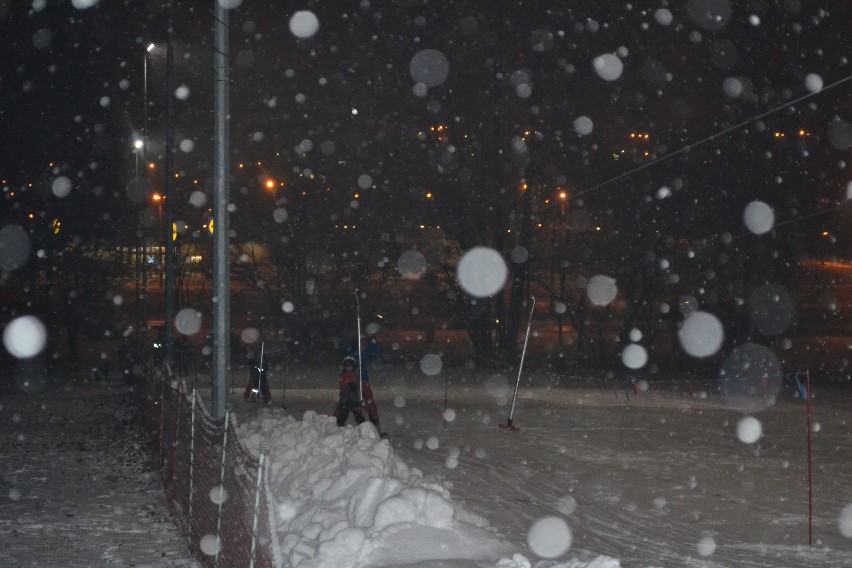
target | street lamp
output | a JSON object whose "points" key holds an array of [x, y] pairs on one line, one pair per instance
{"points": [[144, 141], [141, 146], [137, 146], [158, 199], [563, 195]]}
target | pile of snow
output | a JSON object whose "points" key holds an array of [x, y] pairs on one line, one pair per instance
{"points": [[341, 498]]}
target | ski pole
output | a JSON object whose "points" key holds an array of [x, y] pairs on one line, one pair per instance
{"points": [[358, 314], [508, 425], [283, 380]]}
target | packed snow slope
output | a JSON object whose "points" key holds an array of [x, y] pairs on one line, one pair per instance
{"points": [[653, 478], [344, 499]]}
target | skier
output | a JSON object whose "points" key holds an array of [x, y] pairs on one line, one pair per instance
{"points": [[258, 385], [350, 397], [370, 352]]}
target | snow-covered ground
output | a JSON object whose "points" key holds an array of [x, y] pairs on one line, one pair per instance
{"points": [[592, 477], [656, 479], [76, 487]]}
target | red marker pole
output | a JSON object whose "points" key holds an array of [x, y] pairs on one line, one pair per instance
{"points": [[810, 464]]}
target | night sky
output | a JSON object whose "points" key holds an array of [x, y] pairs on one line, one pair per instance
{"points": [[72, 95]]}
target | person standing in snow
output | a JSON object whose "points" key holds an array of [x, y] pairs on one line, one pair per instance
{"points": [[258, 384], [370, 352], [350, 397]]}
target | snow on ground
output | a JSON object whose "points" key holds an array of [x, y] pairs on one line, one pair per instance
{"points": [[344, 499], [76, 487], [656, 479]]}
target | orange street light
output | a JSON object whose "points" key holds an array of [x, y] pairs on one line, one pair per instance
{"points": [[563, 198]]}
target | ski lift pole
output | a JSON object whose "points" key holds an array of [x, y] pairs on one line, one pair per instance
{"points": [[283, 385], [446, 393], [508, 425], [358, 315]]}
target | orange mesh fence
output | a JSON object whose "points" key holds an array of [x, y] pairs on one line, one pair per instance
{"points": [[216, 488]]}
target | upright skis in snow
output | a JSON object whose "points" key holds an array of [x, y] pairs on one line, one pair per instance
{"points": [[360, 379], [256, 387], [508, 425], [382, 435]]}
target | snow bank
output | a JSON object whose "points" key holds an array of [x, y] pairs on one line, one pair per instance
{"points": [[341, 498]]}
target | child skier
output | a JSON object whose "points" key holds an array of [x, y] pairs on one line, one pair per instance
{"points": [[350, 397], [370, 352], [258, 384]]}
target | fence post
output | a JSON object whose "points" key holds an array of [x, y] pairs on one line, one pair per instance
{"points": [[221, 489], [162, 414], [191, 459], [256, 505], [173, 465]]}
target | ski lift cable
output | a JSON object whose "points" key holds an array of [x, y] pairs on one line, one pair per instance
{"points": [[712, 137], [802, 217], [689, 147]]}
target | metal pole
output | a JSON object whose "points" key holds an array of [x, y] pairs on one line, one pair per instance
{"points": [[508, 425], [446, 394], [283, 386], [810, 466], [191, 460], [169, 221], [257, 504], [144, 117], [221, 239], [257, 390], [144, 264], [221, 496]]}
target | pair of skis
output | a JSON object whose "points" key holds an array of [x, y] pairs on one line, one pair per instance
{"points": [[383, 435], [255, 391]]}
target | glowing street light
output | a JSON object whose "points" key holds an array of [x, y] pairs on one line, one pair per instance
{"points": [[563, 198], [158, 199]]}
